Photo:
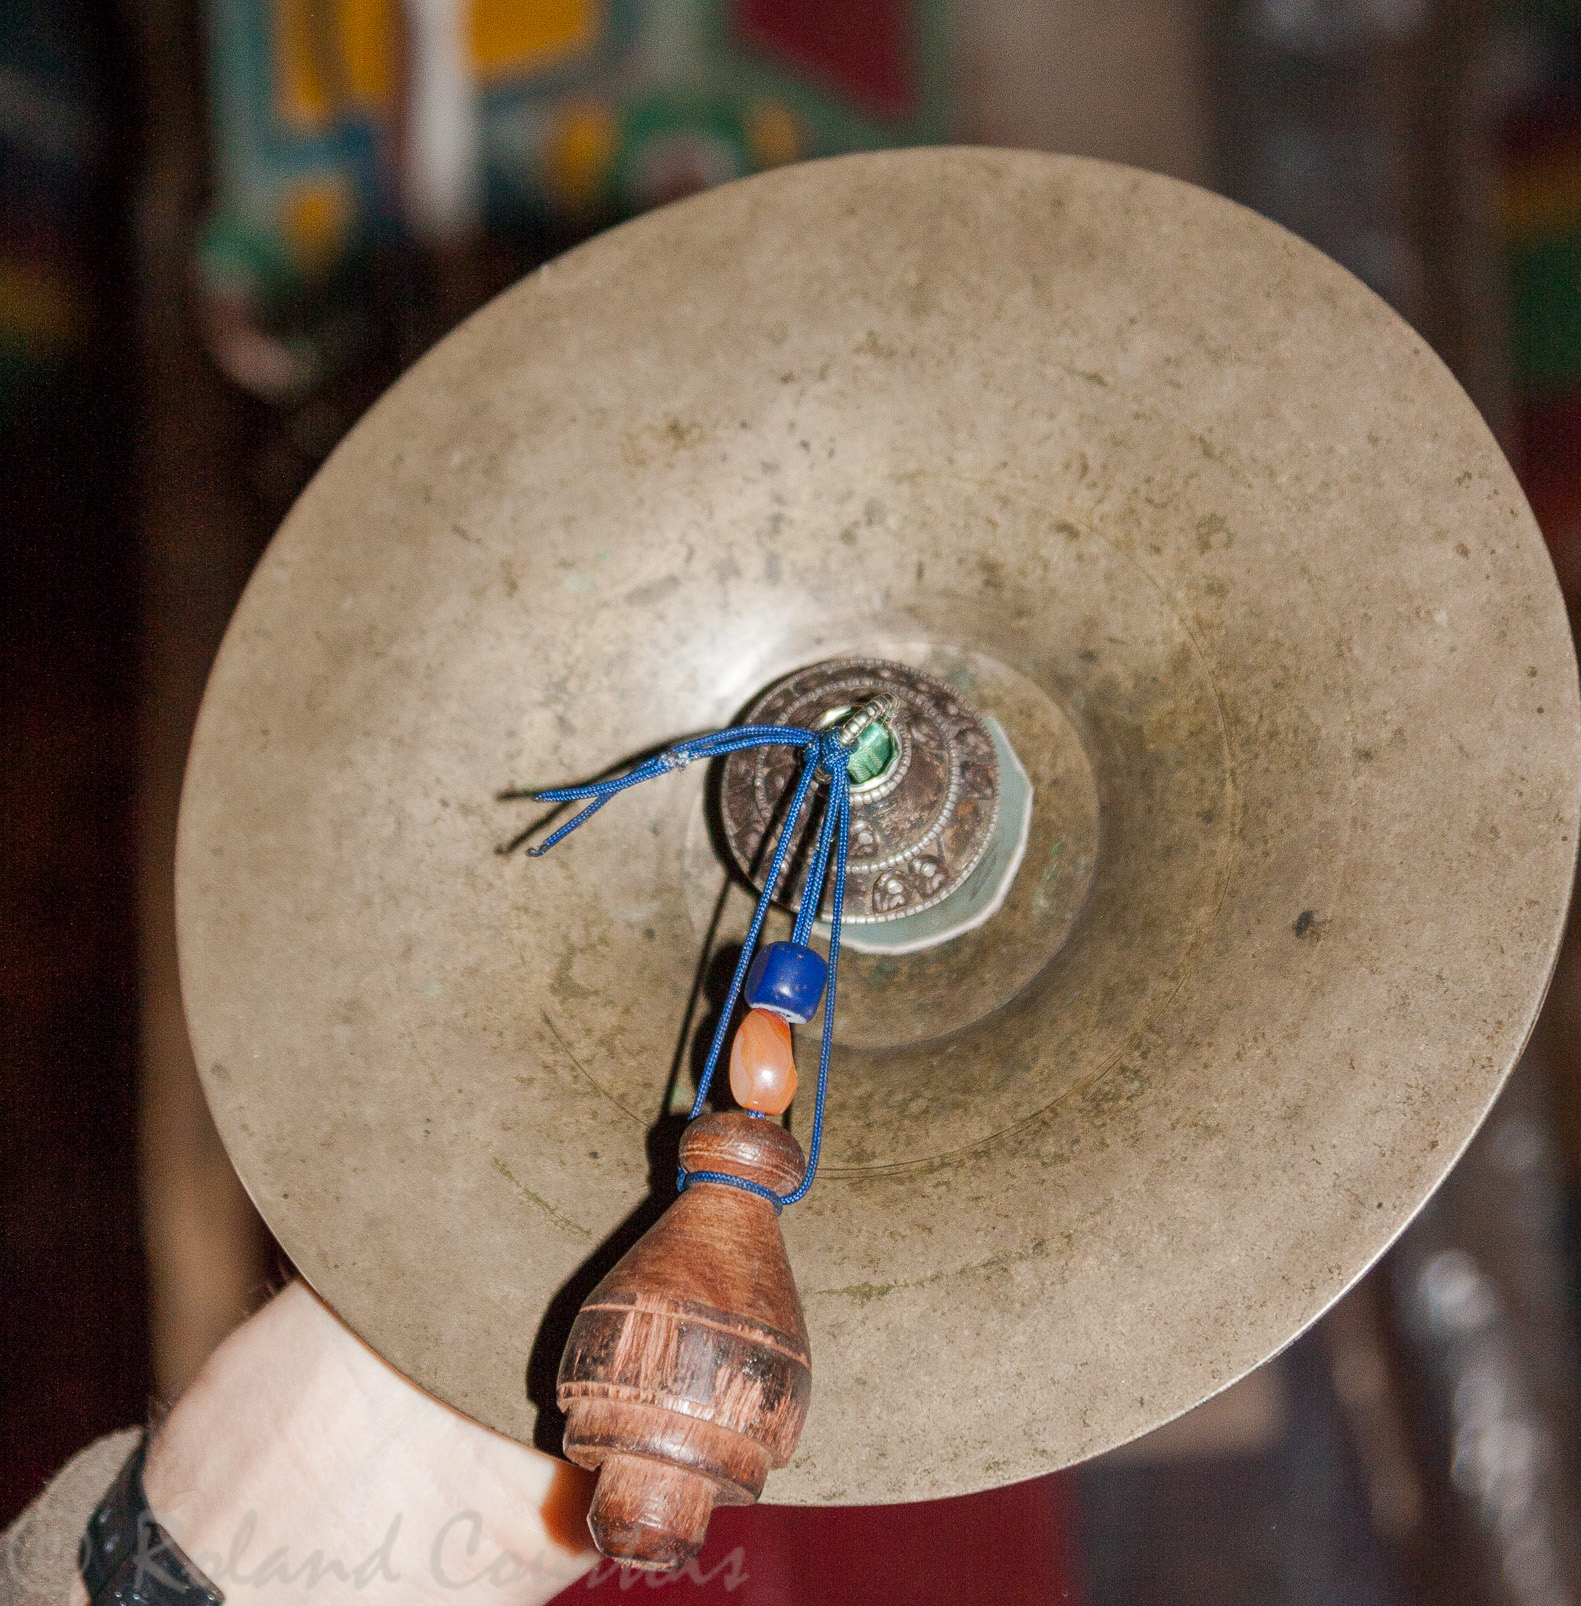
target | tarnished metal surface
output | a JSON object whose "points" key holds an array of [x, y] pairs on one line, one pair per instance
{"points": [[1187, 510], [917, 831]]}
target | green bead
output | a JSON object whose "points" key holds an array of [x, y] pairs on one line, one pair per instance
{"points": [[873, 753]]}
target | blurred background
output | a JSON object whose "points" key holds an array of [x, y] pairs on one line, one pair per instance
{"points": [[227, 225]]}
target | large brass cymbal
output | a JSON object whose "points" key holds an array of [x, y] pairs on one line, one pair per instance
{"points": [[1209, 532]]}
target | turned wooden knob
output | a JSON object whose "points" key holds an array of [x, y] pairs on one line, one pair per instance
{"points": [[687, 1373]]}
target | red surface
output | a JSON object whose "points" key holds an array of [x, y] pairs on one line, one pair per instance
{"points": [[1550, 466], [1007, 1547], [862, 52]]}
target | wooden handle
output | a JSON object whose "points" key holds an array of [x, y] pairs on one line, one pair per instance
{"points": [[687, 1373]]}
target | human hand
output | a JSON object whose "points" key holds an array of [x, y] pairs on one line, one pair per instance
{"points": [[300, 1461]]}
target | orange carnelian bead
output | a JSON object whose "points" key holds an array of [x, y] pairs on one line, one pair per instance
{"points": [[762, 1066]]}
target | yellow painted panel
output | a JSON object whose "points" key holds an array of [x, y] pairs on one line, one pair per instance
{"points": [[316, 217], [368, 33], [772, 134], [333, 57], [511, 37], [579, 153], [302, 95]]}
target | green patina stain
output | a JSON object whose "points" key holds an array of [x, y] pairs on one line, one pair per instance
{"points": [[1043, 893], [863, 1292], [558, 1217]]}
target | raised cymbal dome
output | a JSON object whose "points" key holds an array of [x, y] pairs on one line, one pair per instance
{"points": [[1202, 524]]}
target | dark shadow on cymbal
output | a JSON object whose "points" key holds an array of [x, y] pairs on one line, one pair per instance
{"points": [[531, 794], [527, 833], [793, 873], [710, 986], [543, 1363], [716, 966], [715, 989]]}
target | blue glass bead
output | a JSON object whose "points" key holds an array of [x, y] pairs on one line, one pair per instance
{"points": [[787, 979]]}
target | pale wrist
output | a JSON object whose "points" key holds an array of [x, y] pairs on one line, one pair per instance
{"points": [[300, 1460]]}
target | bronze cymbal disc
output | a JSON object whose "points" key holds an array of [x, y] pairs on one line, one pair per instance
{"points": [[1207, 530]]}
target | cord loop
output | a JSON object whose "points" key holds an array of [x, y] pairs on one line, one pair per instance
{"points": [[823, 754]]}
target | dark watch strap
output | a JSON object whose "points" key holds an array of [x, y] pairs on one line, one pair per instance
{"points": [[127, 1559]]}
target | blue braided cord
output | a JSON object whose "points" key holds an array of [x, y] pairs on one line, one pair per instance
{"points": [[840, 805], [831, 757], [808, 770], [681, 754], [689, 1177], [822, 750], [569, 826], [714, 745], [812, 887]]}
